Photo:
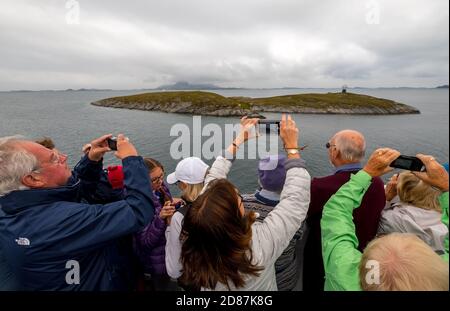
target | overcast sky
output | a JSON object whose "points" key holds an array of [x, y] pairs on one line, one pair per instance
{"points": [[230, 43]]}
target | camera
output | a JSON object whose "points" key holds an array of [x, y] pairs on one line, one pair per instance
{"points": [[408, 163], [269, 126], [112, 143]]}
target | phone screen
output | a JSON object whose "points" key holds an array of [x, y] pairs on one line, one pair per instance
{"points": [[112, 143], [406, 163]]}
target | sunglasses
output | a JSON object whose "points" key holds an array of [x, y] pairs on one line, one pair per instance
{"points": [[328, 145]]}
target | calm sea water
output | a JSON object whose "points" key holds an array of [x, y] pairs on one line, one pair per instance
{"points": [[70, 120]]}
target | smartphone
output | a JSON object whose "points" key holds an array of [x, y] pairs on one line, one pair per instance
{"points": [[179, 204], [269, 126], [408, 163], [112, 143]]}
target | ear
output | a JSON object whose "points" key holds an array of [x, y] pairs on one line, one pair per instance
{"points": [[33, 181], [336, 153]]}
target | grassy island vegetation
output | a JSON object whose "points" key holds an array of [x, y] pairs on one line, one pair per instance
{"points": [[208, 103]]}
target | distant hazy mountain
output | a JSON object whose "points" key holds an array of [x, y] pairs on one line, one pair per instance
{"points": [[443, 86], [182, 85], [83, 90]]}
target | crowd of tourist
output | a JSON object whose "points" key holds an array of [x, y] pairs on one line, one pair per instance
{"points": [[98, 227]]}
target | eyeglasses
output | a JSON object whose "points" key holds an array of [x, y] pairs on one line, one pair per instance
{"points": [[328, 145], [57, 158], [159, 178]]}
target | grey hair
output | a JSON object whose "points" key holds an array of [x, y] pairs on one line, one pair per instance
{"points": [[351, 150], [15, 163]]}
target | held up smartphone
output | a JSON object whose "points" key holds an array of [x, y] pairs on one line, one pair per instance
{"points": [[269, 126], [180, 204], [408, 163], [112, 143]]}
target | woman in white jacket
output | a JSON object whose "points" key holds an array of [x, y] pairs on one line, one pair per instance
{"points": [[412, 206], [193, 176], [223, 247]]}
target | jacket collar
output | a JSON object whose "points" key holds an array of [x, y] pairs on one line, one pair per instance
{"points": [[18, 200], [348, 167]]}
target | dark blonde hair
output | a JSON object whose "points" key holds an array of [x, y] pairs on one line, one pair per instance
{"points": [[414, 191], [192, 191], [152, 164], [217, 240], [46, 142]]}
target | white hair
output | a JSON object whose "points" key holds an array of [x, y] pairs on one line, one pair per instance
{"points": [[15, 163], [350, 149]]}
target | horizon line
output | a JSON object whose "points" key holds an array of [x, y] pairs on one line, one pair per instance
{"points": [[223, 88]]}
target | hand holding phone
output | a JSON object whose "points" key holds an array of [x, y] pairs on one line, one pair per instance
{"points": [[408, 163], [124, 148], [97, 148], [435, 174]]}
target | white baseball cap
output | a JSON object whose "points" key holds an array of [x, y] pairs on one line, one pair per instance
{"points": [[191, 170]]}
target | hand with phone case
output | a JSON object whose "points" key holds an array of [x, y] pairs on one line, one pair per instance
{"points": [[380, 160], [435, 174], [98, 148], [124, 148]]}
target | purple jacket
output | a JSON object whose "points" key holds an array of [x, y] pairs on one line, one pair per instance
{"points": [[149, 244]]}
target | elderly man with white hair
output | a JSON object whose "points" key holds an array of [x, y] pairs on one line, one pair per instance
{"points": [[346, 151], [51, 237]]}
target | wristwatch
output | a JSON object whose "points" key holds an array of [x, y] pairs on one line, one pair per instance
{"points": [[292, 151]]}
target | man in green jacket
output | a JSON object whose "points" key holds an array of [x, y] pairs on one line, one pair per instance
{"points": [[392, 262]]}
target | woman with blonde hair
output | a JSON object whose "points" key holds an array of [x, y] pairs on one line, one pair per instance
{"points": [[413, 207], [189, 176]]}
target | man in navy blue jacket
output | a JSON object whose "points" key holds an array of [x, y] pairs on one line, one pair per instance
{"points": [[52, 238]]}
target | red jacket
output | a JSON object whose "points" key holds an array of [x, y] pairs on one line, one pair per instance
{"points": [[366, 219]]}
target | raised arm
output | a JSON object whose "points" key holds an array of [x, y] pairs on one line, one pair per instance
{"points": [[273, 235], [222, 165], [339, 242], [90, 166], [87, 226]]}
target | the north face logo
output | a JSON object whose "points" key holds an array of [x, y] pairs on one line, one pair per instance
{"points": [[23, 241]]}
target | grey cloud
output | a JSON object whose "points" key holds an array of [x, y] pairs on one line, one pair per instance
{"points": [[252, 43]]}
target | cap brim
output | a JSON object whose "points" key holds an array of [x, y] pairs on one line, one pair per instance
{"points": [[171, 179]]}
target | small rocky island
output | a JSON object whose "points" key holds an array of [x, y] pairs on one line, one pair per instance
{"points": [[212, 104]]}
